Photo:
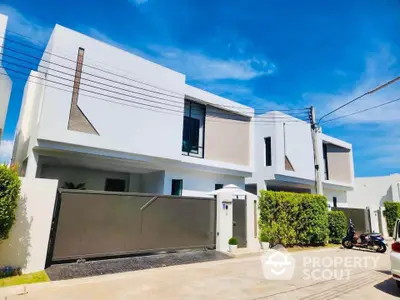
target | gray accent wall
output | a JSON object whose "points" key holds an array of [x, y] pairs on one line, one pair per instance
{"points": [[227, 137], [339, 165], [77, 119]]}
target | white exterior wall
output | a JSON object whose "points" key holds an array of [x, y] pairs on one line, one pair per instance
{"points": [[199, 184], [27, 245], [340, 195], [373, 191], [27, 127], [123, 124], [5, 81]]}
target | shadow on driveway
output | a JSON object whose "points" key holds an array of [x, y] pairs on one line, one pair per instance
{"points": [[388, 286], [127, 264]]}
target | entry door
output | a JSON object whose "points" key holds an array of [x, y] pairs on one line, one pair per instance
{"points": [[239, 222]]}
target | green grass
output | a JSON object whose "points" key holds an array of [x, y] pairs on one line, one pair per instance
{"points": [[298, 248], [24, 279]]}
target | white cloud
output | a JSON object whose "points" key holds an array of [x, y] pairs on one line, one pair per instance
{"points": [[137, 2], [379, 68], [339, 72], [198, 66], [35, 33], [241, 93], [194, 64], [6, 148]]}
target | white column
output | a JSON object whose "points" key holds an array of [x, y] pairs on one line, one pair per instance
{"points": [[224, 220], [252, 216], [29, 237], [32, 166]]}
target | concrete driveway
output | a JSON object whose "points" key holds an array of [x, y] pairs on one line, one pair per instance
{"points": [[240, 278]]}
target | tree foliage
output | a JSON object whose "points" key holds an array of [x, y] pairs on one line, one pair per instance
{"points": [[10, 186], [391, 213], [337, 226], [294, 218]]}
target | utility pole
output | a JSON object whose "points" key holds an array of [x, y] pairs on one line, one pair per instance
{"points": [[315, 130]]}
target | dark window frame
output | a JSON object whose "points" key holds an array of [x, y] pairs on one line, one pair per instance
{"points": [[179, 188], [201, 144], [268, 151], [218, 186], [110, 181], [334, 199], [325, 157]]}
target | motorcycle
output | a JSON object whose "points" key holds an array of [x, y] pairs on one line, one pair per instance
{"points": [[371, 241]]}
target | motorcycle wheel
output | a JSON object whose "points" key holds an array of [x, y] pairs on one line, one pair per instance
{"points": [[347, 244], [382, 247]]}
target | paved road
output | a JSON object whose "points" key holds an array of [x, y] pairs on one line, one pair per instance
{"points": [[240, 278]]}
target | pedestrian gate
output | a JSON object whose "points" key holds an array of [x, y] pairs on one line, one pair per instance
{"points": [[95, 224], [239, 222]]}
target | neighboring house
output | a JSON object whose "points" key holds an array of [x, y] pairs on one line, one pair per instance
{"points": [[98, 115], [284, 160], [372, 192], [5, 81]]}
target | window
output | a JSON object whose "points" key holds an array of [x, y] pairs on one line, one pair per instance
{"points": [[115, 185], [325, 155], [218, 186], [177, 186], [193, 129], [334, 202], [268, 157]]}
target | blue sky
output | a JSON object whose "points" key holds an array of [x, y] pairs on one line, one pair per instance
{"points": [[267, 54]]}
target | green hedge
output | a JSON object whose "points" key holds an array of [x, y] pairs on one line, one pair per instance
{"points": [[392, 212], [294, 219], [9, 194], [337, 223]]}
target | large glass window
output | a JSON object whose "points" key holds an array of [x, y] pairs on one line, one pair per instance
{"points": [[193, 129]]}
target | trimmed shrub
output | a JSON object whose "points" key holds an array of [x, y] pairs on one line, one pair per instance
{"points": [[232, 241], [391, 213], [10, 185], [293, 218], [337, 226]]}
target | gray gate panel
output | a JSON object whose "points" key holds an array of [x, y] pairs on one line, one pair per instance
{"points": [[357, 216], [94, 224], [239, 222], [177, 222]]}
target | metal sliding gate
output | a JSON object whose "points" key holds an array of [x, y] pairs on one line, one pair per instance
{"points": [[359, 216], [91, 224]]}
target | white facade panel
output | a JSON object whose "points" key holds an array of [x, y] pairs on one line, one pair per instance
{"points": [[140, 120], [199, 184], [373, 191]]}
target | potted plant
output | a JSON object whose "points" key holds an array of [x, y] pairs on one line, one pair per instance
{"points": [[265, 239], [232, 244]]}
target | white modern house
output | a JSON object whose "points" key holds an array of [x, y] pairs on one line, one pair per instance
{"points": [[104, 118], [5, 81], [284, 161]]}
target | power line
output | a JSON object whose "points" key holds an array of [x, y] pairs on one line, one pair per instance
{"points": [[106, 90], [361, 96], [121, 76], [156, 109], [100, 88], [363, 110]]}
